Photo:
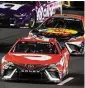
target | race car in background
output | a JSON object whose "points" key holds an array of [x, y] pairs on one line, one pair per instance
{"points": [[17, 14], [76, 45], [63, 26], [36, 58], [26, 13]]}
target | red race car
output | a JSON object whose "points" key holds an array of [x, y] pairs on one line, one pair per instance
{"points": [[35, 58]]}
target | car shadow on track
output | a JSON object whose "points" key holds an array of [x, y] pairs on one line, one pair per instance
{"points": [[28, 81], [77, 81]]}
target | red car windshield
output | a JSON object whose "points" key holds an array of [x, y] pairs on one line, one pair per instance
{"points": [[35, 47]]}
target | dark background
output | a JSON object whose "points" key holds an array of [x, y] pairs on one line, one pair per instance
{"points": [[75, 5]]}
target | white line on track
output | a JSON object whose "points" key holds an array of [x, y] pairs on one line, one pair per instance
{"points": [[65, 81]]}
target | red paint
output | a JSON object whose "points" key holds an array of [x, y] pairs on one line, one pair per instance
{"points": [[22, 60], [78, 39]]}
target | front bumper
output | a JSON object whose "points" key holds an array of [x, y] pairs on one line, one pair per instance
{"points": [[11, 21], [43, 74]]}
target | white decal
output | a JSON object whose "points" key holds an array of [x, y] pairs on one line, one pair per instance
{"points": [[66, 53], [75, 43], [3, 60], [65, 81], [35, 56], [47, 10], [12, 6], [62, 61]]}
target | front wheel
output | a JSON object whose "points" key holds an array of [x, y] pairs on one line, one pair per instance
{"points": [[31, 22], [82, 50]]}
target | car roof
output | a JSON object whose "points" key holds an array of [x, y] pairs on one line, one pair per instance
{"points": [[38, 39], [70, 16]]}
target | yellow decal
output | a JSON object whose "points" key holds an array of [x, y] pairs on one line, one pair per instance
{"points": [[61, 31]]}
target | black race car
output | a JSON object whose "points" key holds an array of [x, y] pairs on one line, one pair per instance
{"points": [[61, 27]]}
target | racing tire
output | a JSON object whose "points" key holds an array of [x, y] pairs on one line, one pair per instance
{"points": [[32, 21], [82, 50]]}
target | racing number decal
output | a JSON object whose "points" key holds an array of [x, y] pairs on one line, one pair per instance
{"points": [[35, 57], [12, 6], [40, 58]]}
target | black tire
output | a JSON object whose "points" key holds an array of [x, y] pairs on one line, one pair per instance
{"points": [[32, 21], [82, 50]]}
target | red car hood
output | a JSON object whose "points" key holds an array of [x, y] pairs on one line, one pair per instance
{"points": [[43, 59]]}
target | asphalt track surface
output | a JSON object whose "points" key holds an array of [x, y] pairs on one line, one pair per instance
{"points": [[76, 71]]}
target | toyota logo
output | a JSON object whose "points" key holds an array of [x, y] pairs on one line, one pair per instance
{"points": [[29, 66]]}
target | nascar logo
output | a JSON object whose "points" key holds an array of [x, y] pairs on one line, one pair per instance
{"points": [[34, 56]]}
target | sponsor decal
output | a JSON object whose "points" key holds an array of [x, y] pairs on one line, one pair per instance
{"points": [[35, 56], [61, 31], [48, 9]]}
